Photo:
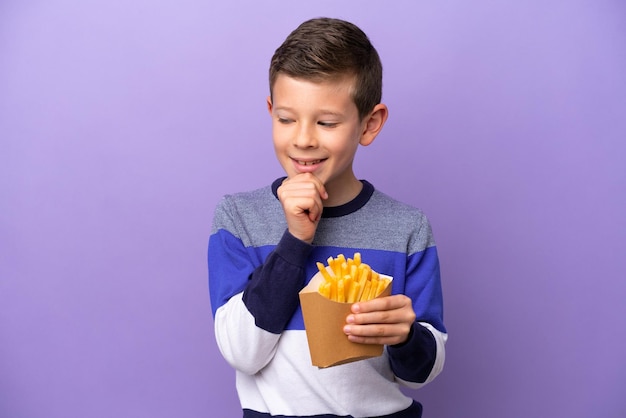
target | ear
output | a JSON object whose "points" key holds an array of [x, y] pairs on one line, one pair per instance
{"points": [[269, 104], [373, 124]]}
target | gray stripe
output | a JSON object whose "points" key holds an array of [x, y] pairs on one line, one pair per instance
{"points": [[384, 223]]}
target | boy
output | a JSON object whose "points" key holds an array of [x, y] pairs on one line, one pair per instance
{"points": [[325, 92]]}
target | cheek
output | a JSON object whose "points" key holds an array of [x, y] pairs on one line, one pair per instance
{"points": [[347, 145], [279, 137]]}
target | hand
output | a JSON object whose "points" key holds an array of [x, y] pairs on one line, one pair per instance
{"points": [[387, 320], [301, 197]]}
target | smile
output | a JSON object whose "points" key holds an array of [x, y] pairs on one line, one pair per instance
{"points": [[305, 163]]}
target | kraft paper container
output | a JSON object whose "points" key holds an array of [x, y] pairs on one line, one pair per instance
{"points": [[324, 320]]}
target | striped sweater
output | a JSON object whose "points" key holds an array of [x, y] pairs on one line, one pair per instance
{"points": [[256, 269]]}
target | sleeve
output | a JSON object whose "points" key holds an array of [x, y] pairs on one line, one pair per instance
{"points": [[252, 300], [420, 359]]}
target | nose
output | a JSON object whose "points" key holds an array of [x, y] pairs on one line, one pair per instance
{"points": [[305, 137]]}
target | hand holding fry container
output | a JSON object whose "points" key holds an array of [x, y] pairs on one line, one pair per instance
{"points": [[326, 303]]}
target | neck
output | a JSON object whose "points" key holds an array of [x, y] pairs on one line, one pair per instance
{"points": [[340, 194]]}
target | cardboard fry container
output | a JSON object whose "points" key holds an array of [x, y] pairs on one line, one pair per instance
{"points": [[324, 320]]}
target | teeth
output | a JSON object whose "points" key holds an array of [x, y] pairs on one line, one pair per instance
{"points": [[309, 162]]}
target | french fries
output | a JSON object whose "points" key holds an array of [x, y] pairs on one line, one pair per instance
{"points": [[350, 280]]}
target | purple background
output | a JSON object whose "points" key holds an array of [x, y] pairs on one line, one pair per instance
{"points": [[122, 123]]}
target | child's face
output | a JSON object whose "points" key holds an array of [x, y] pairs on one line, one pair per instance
{"points": [[316, 128]]}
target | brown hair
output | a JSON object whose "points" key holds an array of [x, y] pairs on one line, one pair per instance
{"points": [[324, 48]]}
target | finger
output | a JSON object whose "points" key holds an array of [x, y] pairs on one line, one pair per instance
{"points": [[381, 304], [300, 187], [312, 179], [303, 202], [311, 206], [377, 340], [320, 187], [395, 316], [386, 310], [377, 334], [298, 190], [314, 210]]}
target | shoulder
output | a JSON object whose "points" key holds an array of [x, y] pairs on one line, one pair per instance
{"points": [[234, 207], [256, 198], [245, 199], [255, 217], [400, 219], [382, 205]]}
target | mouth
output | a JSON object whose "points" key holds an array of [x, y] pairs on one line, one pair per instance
{"points": [[307, 165], [308, 162]]}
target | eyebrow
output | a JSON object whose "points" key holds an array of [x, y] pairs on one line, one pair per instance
{"points": [[323, 112], [331, 113]]}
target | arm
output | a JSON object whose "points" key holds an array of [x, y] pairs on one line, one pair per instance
{"points": [[421, 358], [416, 349], [248, 324], [254, 297], [410, 324]]}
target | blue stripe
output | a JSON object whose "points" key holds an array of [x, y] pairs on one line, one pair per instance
{"points": [[228, 258], [230, 264]]}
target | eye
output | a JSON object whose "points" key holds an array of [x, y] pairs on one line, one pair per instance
{"points": [[284, 121], [327, 124]]}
